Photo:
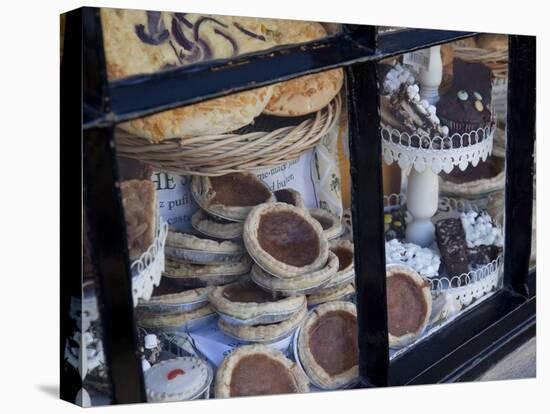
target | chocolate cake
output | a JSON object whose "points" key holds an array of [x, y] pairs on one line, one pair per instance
{"points": [[465, 107], [451, 240]]}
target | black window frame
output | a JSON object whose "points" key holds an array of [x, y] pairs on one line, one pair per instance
{"points": [[91, 106]]}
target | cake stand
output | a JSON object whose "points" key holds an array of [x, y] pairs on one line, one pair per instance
{"points": [[466, 287], [423, 157]]}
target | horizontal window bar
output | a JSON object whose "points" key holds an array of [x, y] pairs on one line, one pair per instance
{"points": [[142, 95], [402, 41]]}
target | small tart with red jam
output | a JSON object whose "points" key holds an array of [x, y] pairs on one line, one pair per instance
{"points": [[245, 300], [258, 370], [177, 379], [409, 305], [285, 240], [230, 196], [327, 345]]}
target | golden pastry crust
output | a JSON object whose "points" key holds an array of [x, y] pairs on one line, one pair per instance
{"points": [[204, 194], [225, 231], [139, 199], [247, 310], [222, 388], [215, 116], [274, 266], [305, 94], [289, 286], [191, 242], [179, 269], [406, 339], [185, 296], [347, 274], [309, 93], [264, 333], [212, 37], [330, 294], [173, 320], [315, 371], [334, 229]]}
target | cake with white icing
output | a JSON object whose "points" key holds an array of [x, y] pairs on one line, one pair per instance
{"points": [[422, 259], [406, 107], [480, 229], [177, 379]]}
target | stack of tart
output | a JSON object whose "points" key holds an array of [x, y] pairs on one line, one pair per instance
{"points": [[292, 254], [215, 254], [251, 314], [172, 307]]}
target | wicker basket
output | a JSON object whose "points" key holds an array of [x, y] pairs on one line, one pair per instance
{"points": [[497, 60], [226, 153]]}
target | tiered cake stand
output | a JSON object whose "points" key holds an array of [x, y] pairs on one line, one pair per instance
{"points": [[423, 158]]}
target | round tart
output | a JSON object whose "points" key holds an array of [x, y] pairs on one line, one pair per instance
{"points": [[289, 196], [303, 284], [183, 274], [199, 250], [330, 294], [258, 370], [285, 240], [168, 297], [332, 226], [343, 249], [230, 196], [175, 320], [213, 226], [327, 345], [264, 333], [409, 305], [178, 379], [486, 177], [244, 301]]}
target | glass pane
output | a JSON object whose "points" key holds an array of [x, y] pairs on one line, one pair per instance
{"points": [[443, 140], [253, 222], [145, 41]]}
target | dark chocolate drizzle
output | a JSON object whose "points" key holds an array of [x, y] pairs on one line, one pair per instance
{"points": [[155, 33], [190, 47]]}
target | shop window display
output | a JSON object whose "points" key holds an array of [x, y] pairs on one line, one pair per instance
{"points": [[239, 211]]}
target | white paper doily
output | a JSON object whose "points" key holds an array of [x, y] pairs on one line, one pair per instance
{"points": [[438, 153], [147, 270]]}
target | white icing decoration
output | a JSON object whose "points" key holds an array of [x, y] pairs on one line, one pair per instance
{"points": [[182, 387], [423, 260], [479, 229]]}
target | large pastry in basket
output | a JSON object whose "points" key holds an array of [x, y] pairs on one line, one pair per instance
{"points": [[309, 93], [138, 42]]}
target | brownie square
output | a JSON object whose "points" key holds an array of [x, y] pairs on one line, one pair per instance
{"points": [[451, 240]]}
